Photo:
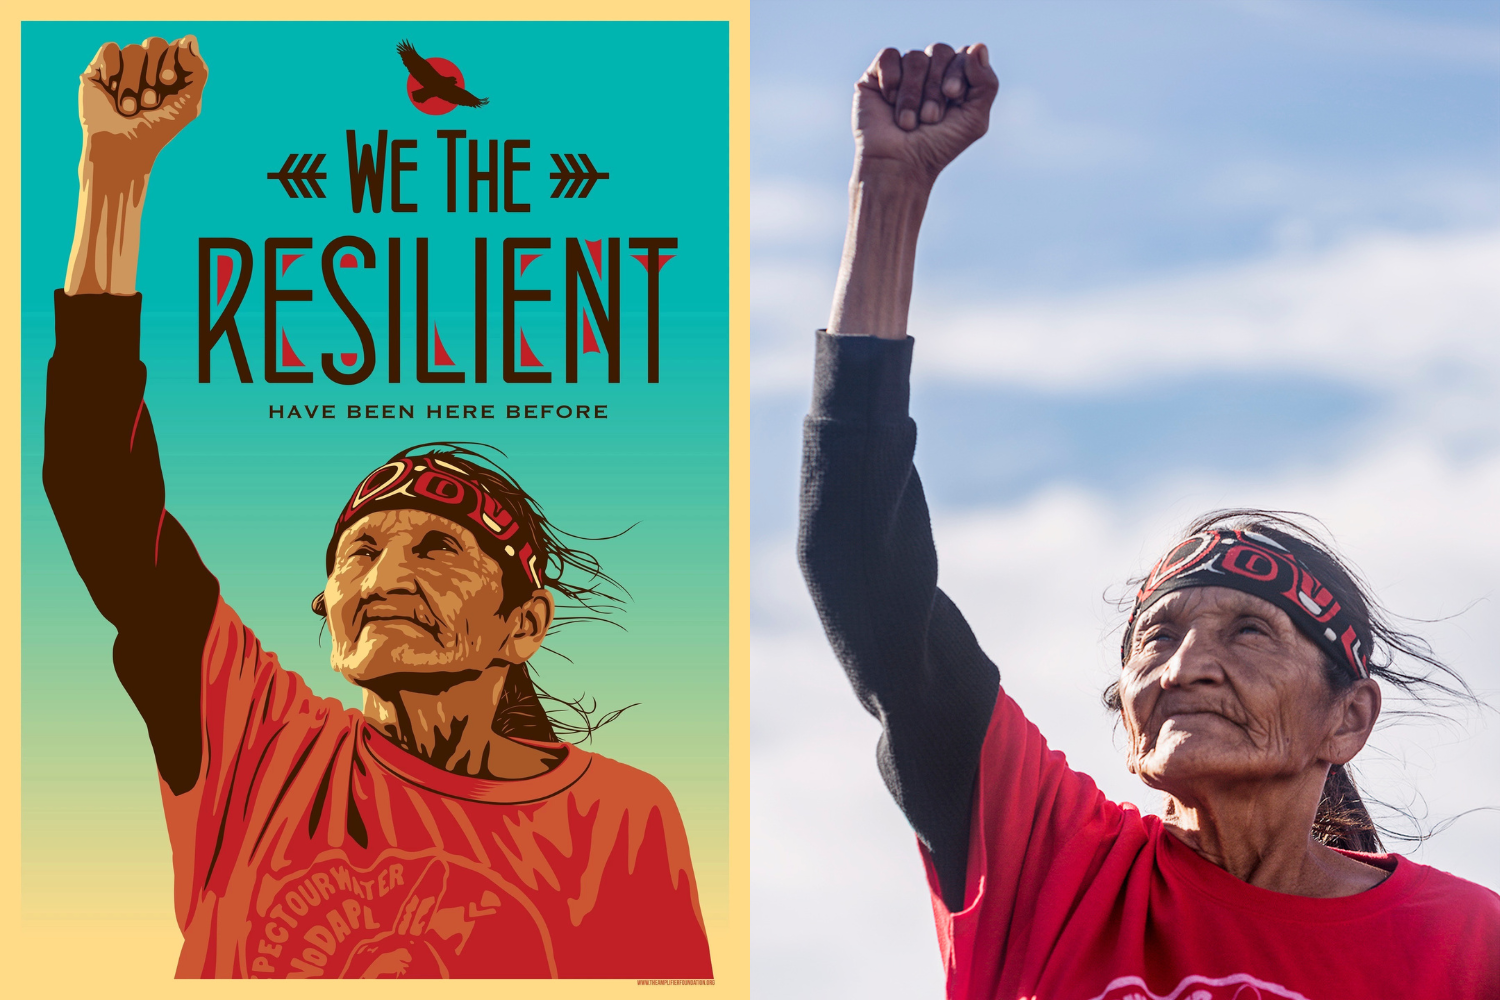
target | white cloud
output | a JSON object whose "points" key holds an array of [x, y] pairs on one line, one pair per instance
{"points": [[789, 299], [1383, 309], [788, 210], [1452, 194], [840, 903]]}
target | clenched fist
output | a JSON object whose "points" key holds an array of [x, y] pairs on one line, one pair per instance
{"points": [[916, 112], [913, 114], [132, 101]]}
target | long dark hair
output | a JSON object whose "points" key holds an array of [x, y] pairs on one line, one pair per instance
{"points": [[1402, 659]]}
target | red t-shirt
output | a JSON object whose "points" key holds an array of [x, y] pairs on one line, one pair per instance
{"points": [[312, 846], [1070, 896]]}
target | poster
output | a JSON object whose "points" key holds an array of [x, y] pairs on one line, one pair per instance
{"points": [[374, 236]]}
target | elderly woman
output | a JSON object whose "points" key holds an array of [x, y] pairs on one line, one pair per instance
{"points": [[1248, 681], [441, 830]]}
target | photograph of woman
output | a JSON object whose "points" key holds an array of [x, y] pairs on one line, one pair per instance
{"points": [[1251, 673]]}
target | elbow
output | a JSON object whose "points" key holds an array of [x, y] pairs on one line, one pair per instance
{"points": [[54, 481], [812, 555], [829, 572], [66, 478]]}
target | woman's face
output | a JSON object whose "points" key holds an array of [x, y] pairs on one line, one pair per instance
{"points": [[1221, 688], [413, 593]]}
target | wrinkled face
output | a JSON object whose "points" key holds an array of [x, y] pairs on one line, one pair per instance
{"points": [[1221, 687], [412, 592]]}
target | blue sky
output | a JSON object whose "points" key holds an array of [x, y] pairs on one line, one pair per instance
{"points": [[1210, 254], [1137, 136]]}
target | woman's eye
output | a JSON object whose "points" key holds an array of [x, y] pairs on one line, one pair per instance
{"points": [[364, 551], [435, 542]]}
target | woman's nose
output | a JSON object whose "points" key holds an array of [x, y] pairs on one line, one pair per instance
{"points": [[391, 572], [1196, 660]]}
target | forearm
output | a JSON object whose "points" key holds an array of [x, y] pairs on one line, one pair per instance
{"points": [[97, 427], [866, 540], [873, 294], [101, 468], [107, 235]]}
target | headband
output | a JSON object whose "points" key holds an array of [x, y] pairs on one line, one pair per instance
{"points": [[426, 482], [1257, 564]]}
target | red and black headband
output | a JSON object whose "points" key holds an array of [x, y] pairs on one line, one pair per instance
{"points": [[426, 482], [1271, 570]]}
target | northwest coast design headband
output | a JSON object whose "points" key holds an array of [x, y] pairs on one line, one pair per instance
{"points": [[426, 482], [1259, 565]]}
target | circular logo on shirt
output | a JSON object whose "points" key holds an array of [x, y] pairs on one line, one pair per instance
{"points": [[1237, 987]]}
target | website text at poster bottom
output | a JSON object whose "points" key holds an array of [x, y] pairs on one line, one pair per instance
{"points": [[435, 411]]}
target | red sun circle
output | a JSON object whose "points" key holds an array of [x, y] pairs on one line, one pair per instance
{"points": [[434, 105]]}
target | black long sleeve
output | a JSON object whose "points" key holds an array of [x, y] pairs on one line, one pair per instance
{"points": [[867, 552], [103, 477]]}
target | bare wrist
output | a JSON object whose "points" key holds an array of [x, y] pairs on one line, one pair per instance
{"points": [[106, 237], [115, 157], [892, 180], [112, 169], [874, 285]]}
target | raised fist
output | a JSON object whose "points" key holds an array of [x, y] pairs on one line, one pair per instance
{"points": [[920, 110], [132, 101]]}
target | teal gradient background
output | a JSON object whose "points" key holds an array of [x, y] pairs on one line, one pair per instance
{"points": [[259, 495]]}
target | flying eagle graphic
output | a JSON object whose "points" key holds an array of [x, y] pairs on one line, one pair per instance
{"points": [[435, 84]]}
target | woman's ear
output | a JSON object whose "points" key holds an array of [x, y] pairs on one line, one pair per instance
{"points": [[1358, 712], [527, 625], [320, 605]]}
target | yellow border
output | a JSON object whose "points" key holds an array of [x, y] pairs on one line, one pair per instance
{"points": [[112, 958], [10, 513]]}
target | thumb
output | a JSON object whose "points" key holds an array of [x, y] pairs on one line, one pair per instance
{"points": [[982, 81], [190, 61]]}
